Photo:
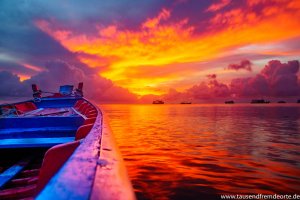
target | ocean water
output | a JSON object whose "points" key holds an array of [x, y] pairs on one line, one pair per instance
{"points": [[202, 151]]}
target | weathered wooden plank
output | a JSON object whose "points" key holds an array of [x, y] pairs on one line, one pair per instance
{"points": [[11, 172], [18, 193], [111, 180], [33, 142]]}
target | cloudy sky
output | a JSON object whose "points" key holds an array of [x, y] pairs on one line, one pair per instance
{"points": [[129, 50]]}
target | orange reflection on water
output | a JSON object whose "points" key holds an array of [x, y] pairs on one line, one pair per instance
{"points": [[191, 151]]}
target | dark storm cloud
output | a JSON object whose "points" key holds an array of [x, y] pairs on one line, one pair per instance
{"points": [[10, 85], [211, 76], [19, 69], [244, 64], [60, 73], [23, 42]]}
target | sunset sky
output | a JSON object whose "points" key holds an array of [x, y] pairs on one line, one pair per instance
{"points": [[130, 50]]}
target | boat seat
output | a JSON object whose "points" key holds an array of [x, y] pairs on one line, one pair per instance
{"points": [[83, 131], [54, 159], [25, 107]]}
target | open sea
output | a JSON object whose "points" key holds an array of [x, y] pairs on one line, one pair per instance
{"points": [[202, 151]]}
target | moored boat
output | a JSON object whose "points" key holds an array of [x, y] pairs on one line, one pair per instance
{"points": [[59, 147], [258, 101], [185, 102], [281, 102], [158, 102], [229, 102]]}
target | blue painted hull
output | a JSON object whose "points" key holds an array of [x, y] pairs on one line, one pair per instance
{"points": [[41, 131]]}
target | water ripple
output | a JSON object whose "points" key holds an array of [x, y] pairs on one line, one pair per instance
{"points": [[200, 151]]}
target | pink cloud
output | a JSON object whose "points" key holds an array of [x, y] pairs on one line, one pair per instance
{"points": [[218, 6], [276, 79], [282, 77]]}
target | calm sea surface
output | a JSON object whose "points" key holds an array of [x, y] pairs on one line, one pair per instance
{"points": [[198, 151]]}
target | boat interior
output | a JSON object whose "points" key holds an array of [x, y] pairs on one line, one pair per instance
{"points": [[37, 138]]}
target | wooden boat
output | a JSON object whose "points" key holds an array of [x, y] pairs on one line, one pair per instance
{"points": [[185, 102], [158, 102], [59, 147], [281, 102], [229, 102], [258, 101]]}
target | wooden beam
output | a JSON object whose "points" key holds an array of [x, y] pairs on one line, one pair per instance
{"points": [[11, 172], [33, 142]]}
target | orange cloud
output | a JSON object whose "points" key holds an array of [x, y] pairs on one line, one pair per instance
{"points": [[160, 43], [35, 68], [152, 23], [23, 77]]}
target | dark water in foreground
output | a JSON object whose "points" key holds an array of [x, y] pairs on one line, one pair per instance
{"points": [[194, 151]]}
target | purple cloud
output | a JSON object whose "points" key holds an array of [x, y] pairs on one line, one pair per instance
{"points": [[60, 73], [244, 64], [276, 79], [211, 76]]}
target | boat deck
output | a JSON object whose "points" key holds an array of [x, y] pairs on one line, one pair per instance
{"points": [[42, 127], [47, 112]]}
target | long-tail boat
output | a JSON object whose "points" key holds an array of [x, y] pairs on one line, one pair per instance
{"points": [[59, 147]]}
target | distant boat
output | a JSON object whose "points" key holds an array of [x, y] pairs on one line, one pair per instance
{"points": [[281, 102], [229, 102], [158, 102], [259, 101], [185, 102], [298, 101]]}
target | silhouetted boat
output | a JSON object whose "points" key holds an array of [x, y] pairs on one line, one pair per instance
{"points": [[257, 101], [298, 101], [281, 102], [185, 102], [158, 102], [229, 102], [63, 138]]}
